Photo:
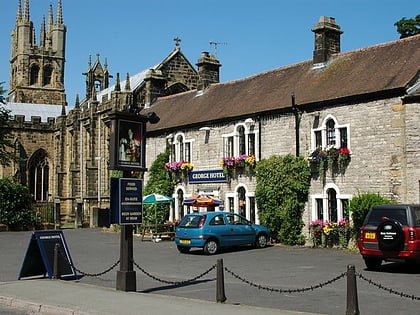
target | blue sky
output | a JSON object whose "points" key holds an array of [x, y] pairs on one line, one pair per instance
{"points": [[255, 36]]}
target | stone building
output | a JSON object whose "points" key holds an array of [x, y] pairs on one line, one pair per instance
{"points": [[357, 109], [66, 151], [361, 106]]}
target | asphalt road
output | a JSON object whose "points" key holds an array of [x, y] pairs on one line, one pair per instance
{"points": [[257, 277]]}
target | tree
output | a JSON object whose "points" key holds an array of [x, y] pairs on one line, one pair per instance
{"points": [[282, 189], [408, 27], [16, 205], [7, 148], [360, 205], [158, 183]]}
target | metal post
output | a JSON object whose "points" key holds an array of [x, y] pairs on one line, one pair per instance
{"points": [[220, 282], [352, 301], [126, 276], [56, 266]]}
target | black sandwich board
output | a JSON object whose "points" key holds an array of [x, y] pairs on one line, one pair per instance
{"points": [[39, 257]]}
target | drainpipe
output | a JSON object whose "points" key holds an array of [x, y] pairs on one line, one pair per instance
{"points": [[298, 115]]}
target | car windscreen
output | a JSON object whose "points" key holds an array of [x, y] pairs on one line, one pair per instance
{"points": [[376, 216], [192, 221]]}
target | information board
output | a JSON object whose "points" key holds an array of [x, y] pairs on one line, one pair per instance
{"points": [[126, 201], [131, 201], [39, 257]]}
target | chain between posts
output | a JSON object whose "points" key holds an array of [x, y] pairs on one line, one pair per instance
{"points": [[389, 290], [174, 282], [252, 284], [301, 290]]}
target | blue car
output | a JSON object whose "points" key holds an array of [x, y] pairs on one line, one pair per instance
{"points": [[214, 230]]}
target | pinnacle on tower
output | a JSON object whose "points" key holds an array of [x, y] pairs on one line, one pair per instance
{"points": [[59, 13], [19, 11], [117, 83], [127, 83], [26, 11]]}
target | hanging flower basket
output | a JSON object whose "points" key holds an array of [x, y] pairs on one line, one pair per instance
{"points": [[334, 159], [179, 170], [233, 166]]}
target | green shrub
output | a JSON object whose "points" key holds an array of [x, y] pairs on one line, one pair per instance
{"points": [[282, 190], [359, 206], [159, 183], [16, 205]]}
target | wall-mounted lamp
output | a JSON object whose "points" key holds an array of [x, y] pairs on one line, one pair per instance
{"points": [[153, 117], [170, 136]]}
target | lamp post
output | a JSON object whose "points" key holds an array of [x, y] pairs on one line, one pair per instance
{"points": [[127, 153]]}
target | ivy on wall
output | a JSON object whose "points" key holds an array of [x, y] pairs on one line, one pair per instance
{"points": [[282, 190]]}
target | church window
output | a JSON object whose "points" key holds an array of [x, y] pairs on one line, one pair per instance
{"points": [[39, 175], [34, 75], [46, 79]]}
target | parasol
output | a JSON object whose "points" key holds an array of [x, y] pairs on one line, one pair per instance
{"points": [[202, 200]]}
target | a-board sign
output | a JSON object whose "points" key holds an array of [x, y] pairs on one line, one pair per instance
{"points": [[39, 257], [126, 201]]}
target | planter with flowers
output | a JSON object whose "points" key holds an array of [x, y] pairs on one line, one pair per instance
{"points": [[332, 158], [315, 232], [330, 234], [179, 170], [233, 166]]}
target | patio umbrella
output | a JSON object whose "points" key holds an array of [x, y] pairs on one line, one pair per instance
{"points": [[156, 198], [202, 200]]}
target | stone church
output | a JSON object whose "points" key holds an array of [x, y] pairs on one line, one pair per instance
{"points": [[358, 110], [66, 151]]}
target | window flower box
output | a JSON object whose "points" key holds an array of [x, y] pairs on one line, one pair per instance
{"points": [[179, 170], [331, 158], [232, 166]]}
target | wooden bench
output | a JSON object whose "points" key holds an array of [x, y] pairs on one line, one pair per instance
{"points": [[158, 231]]}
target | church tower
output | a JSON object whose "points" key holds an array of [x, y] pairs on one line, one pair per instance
{"points": [[37, 70]]}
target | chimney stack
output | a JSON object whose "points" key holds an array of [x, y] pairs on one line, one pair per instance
{"points": [[327, 39], [208, 70]]}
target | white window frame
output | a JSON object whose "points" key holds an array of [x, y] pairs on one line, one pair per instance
{"points": [[323, 130], [324, 197], [182, 145], [249, 129]]}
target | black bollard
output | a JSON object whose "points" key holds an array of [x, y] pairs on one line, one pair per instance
{"points": [[352, 301], [220, 282], [56, 267]]}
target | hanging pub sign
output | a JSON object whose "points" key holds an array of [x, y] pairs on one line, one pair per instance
{"points": [[127, 141]]}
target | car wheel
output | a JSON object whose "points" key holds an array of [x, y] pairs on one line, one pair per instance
{"points": [[211, 247], [373, 263], [261, 241], [183, 249], [390, 235]]}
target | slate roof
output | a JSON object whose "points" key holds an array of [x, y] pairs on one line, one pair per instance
{"points": [[386, 68], [138, 79], [44, 111]]}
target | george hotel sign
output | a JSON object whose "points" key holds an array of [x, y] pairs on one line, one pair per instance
{"points": [[209, 176]]}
